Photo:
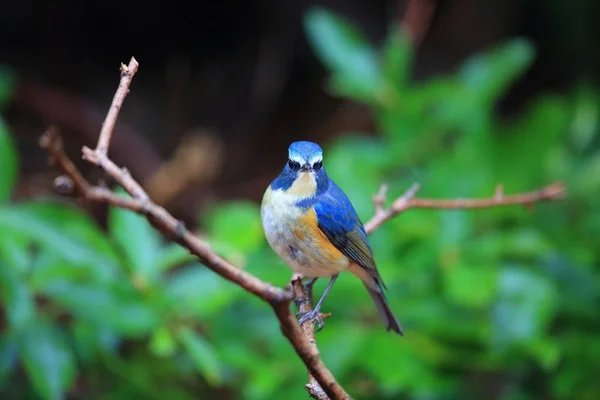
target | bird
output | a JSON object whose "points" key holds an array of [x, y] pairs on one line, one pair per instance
{"points": [[312, 226]]}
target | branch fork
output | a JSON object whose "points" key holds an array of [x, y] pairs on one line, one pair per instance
{"points": [[321, 384]]}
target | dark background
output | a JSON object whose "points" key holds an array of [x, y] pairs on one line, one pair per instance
{"points": [[497, 304], [242, 76]]}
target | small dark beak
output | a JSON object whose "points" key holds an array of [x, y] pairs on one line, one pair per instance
{"points": [[305, 167]]}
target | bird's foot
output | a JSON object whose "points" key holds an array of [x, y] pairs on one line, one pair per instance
{"points": [[314, 315]]}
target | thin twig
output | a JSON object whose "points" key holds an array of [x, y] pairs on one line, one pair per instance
{"points": [[380, 198], [82, 120], [555, 191], [173, 229], [321, 381], [163, 221], [127, 73]]}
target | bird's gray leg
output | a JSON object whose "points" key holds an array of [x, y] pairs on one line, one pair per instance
{"points": [[315, 314], [308, 287]]}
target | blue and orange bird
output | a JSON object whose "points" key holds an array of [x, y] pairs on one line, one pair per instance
{"points": [[311, 224]]}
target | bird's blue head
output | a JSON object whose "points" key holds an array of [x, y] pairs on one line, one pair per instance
{"points": [[305, 156], [303, 174]]}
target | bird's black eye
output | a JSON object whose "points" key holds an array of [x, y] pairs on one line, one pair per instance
{"points": [[318, 165], [294, 165]]}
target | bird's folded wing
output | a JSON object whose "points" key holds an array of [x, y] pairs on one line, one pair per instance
{"points": [[340, 224]]}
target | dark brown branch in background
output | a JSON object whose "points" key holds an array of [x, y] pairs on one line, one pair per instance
{"points": [[416, 19], [322, 384], [84, 118]]}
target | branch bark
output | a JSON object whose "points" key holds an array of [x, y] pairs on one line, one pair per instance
{"points": [[417, 19], [555, 191], [173, 229], [303, 300], [322, 384], [127, 73]]}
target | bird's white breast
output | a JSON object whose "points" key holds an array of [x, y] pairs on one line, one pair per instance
{"points": [[291, 240]]}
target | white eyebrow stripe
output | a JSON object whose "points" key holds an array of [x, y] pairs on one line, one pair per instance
{"points": [[295, 157], [316, 159]]}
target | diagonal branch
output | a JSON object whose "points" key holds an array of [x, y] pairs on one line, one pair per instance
{"points": [[173, 229], [322, 384], [163, 221]]}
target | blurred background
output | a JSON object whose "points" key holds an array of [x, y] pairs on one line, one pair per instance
{"points": [[457, 95]]}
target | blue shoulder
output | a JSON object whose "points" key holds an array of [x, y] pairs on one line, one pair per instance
{"points": [[338, 220], [335, 212]]}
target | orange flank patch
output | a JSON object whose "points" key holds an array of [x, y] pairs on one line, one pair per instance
{"points": [[300, 233], [318, 239]]}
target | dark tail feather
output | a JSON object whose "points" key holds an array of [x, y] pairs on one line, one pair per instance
{"points": [[390, 321]]}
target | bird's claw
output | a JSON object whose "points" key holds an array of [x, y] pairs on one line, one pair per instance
{"points": [[314, 315]]}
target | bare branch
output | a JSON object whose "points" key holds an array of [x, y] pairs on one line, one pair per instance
{"points": [[121, 175], [417, 19], [556, 191], [380, 198], [321, 378], [173, 229], [322, 384], [303, 300], [127, 73]]}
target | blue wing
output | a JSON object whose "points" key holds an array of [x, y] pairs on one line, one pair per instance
{"points": [[339, 222]]}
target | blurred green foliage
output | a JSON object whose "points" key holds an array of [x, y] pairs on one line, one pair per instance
{"points": [[498, 303]]}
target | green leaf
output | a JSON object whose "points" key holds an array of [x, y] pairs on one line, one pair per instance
{"points": [[202, 355], [91, 342], [17, 299], [8, 356], [588, 180], [224, 225], [397, 58], [525, 306], [105, 306], [395, 373], [586, 117], [172, 255], [546, 351], [578, 285], [48, 361], [455, 227], [488, 75], [529, 142], [14, 251], [138, 240], [60, 229], [162, 343], [69, 220], [8, 162], [470, 285], [522, 243], [49, 268], [198, 291], [345, 51]]}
